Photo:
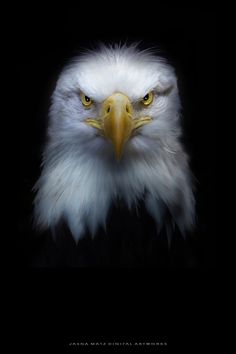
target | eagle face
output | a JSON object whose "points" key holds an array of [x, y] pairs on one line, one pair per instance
{"points": [[114, 134]]}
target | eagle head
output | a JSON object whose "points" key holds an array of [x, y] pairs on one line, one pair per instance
{"points": [[114, 133]]}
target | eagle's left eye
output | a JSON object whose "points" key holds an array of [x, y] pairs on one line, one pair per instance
{"points": [[147, 99], [87, 101]]}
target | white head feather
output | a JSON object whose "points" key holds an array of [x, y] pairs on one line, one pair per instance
{"points": [[81, 178]]}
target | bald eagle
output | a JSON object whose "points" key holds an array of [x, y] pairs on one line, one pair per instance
{"points": [[114, 134]]}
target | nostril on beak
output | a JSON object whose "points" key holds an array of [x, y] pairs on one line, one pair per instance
{"points": [[108, 109], [127, 108]]}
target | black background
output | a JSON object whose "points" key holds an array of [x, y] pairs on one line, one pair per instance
{"points": [[148, 301]]}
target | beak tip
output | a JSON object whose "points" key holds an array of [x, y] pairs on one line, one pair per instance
{"points": [[118, 156]]}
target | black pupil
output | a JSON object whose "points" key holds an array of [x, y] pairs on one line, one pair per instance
{"points": [[145, 98], [87, 99]]}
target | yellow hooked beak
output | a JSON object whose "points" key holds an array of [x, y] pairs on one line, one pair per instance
{"points": [[117, 122]]}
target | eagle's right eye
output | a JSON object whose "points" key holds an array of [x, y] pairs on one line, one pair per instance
{"points": [[86, 101]]}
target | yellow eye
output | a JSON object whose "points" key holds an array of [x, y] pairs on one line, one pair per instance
{"points": [[87, 102], [147, 99]]}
